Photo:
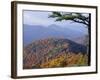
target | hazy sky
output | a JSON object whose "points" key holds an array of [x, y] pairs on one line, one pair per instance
{"points": [[41, 18]]}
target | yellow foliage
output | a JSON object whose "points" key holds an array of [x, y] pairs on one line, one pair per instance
{"points": [[54, 62], [64, 60]]}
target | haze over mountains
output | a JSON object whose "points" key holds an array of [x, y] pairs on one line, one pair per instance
{"points": [[53, 46], [37, 32]]}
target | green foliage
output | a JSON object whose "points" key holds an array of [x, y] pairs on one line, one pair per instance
{"points": [[55, 14], [75, 17], [54, 50]]}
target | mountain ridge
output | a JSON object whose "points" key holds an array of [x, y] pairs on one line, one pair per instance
{"points": [[38, 52], [36, 32]]}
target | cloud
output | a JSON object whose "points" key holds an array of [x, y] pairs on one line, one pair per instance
{"points": [[41, 18], [37, 17]]}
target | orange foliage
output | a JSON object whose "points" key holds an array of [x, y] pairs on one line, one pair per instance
{"points": [[70, 59]]}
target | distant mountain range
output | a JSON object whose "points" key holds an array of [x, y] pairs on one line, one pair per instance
{"points": [[36, 32], [41, 51]]}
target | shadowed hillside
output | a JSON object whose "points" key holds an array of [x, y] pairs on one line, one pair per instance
{"points": [[54, 52]]}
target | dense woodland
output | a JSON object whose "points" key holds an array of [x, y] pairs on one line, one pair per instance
{"points": [[53, 52]]}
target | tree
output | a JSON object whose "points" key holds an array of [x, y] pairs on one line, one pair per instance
{"points": [[74, 17]]}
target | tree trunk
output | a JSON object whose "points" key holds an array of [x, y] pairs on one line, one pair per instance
{"points": [[89, 41]]}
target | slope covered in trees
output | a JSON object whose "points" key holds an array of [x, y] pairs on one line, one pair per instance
{"points": [[54, 52]]}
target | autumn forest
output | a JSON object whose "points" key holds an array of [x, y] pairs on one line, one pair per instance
{"points": [[60, 40]]}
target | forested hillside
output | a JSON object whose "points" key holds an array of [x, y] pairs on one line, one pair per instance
{"points": [[54, 52]]}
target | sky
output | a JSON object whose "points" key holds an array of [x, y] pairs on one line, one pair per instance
{"points": [[41, 18]]}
